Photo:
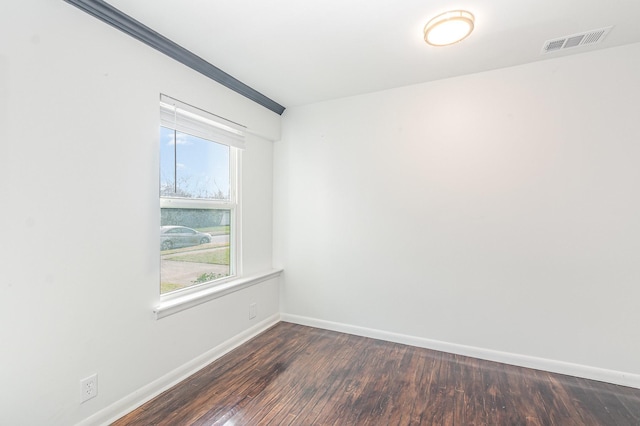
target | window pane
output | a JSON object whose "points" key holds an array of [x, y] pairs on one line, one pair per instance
{"points": [[198, 169], [194, 247]]}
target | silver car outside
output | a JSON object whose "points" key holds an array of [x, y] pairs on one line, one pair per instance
{"points": [[180, 236]]}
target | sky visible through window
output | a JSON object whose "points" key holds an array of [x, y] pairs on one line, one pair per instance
{"points": [[200, 167]]}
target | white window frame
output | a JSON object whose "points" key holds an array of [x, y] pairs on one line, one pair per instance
{"points": [[195, 122]]}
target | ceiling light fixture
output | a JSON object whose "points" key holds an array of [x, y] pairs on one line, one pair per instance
{"points": [[448, 28]]}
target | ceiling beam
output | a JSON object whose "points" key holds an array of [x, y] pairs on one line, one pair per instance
{"points": [[114, 17]]}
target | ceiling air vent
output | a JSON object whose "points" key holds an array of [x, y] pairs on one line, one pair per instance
{"points": [[575, 40]]}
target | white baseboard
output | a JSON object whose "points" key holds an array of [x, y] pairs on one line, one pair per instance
{"points": [[127, 404], [576, 370]]}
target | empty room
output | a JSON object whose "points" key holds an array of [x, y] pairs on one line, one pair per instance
{"points": [[320, 213]]}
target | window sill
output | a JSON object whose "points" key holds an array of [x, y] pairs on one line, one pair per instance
{"points": [[170, 307]]}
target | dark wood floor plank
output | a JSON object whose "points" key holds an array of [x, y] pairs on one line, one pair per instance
{"points": [[417, 392], [611, 404], [630, 403], [296, 375]]}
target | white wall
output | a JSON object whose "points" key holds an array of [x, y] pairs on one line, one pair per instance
{"points": [[497, 211], [80, 215]]}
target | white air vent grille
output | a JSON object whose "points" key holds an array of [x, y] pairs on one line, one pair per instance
{"points": [[575, 40]]}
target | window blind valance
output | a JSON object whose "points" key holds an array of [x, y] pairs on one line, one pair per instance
{"points": [[196, 122]]}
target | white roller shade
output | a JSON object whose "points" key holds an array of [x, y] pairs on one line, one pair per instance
{"points": [[196, 122]]}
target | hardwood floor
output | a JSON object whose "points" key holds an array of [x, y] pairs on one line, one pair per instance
{"points": [[296, 375]]}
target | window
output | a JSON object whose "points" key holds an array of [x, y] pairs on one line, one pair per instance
{"points": [[199, 225]]}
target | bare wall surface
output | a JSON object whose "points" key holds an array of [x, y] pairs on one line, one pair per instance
{"points": [[498, 210], [79, 184]]}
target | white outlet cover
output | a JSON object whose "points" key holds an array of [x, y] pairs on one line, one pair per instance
{"points": [[88, 388]]}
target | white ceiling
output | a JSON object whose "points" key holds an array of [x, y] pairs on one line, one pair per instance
{"points": [[303, 51]]}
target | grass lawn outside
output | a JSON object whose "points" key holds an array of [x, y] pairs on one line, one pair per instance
{"points": [[215, 257], [194, 248], [211, 253], [215, 230], [167, 287]]}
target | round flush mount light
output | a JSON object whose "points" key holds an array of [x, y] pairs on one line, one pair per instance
{"points": [[448, 28]]}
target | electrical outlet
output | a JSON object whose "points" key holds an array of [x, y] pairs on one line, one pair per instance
{"points": [[252, 310], [88, 388]]}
